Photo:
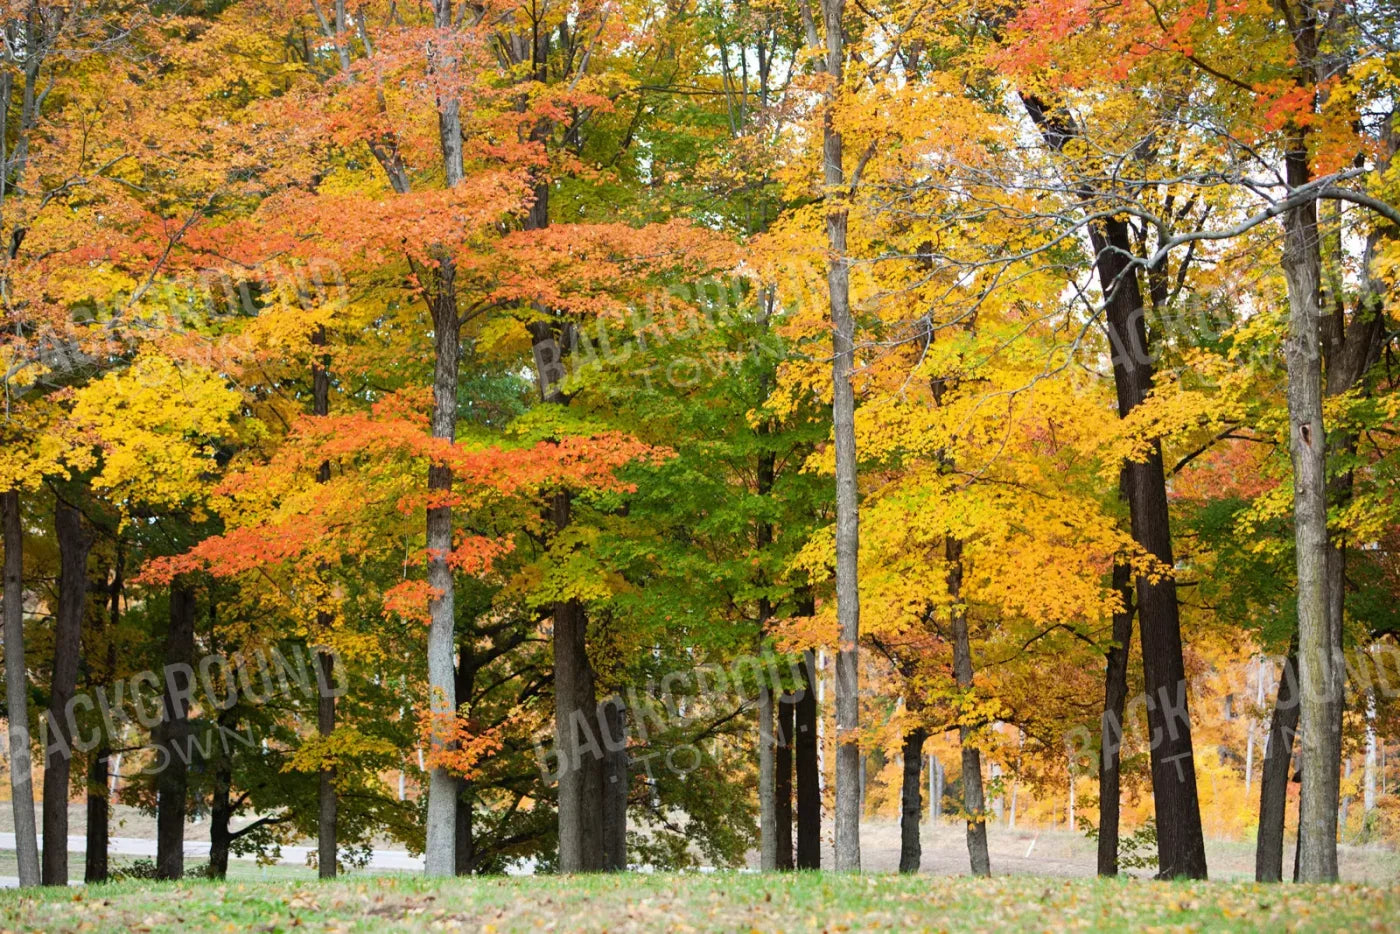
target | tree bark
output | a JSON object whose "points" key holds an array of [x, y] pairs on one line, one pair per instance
{"points": [[615, 785], [1273, 778], [1319, 681], [74, 543], [767, 819], [95, 867], [782, 781], [439, 856], [99, 809], [327, 805], [220, 815], [1111, 738], [973, 799], [465, 848], [17, 695], [911, 800], [809, 793], [440, 850], [847, 849], [172, 780], [1180, 841]]}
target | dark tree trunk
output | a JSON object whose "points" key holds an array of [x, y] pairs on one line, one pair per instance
{"points": [[1273, 781], [99, 767], [615, 785], [465, 862], [220, 816], [973, 798], [172, 780], [1111, 738], [1180, 841], [326, 803], [911, 801], [98, 833], [580, 749], [809, 792], [17, 696], [782, 781], [74, 543], [580, 802]]}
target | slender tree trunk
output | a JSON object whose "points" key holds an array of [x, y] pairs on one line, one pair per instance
{"points": [[843, 428], [767, 819], [911, 800], [327, 804], [1368, 798], [782, 781], [100, 784], [809, 792], [440, 851], [973, 799], [1319, 681], [17, 695], [74, 543], [1273, 778], [1180, 840], [172, 781], [326, 800], [465, 861], [1111, 740], [615, 785]]}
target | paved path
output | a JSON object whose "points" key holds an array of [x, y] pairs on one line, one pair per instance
{"points": [[199, 849]]}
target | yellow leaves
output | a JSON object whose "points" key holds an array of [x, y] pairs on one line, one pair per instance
{"points": [[155, 425], [345, 744]]}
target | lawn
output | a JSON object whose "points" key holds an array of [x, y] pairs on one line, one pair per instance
{"points": [[702, 902]]}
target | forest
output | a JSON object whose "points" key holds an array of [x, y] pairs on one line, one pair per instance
{"points": [[573, 436]]}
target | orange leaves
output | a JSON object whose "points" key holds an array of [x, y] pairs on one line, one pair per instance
{"points": [[455, 742], [409, 599]]}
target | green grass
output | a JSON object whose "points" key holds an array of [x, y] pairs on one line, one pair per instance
{"points": [[718, 902]]}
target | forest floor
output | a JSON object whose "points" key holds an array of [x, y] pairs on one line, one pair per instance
{"points": [[726, 901]]}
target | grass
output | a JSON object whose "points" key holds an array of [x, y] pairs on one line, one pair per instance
{"points": [[702, 902]]}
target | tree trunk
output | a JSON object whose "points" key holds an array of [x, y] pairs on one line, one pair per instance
{"points": [[615, 785], [1368, 795], [767, 819], [1111, 739], [580, 753], [1180, 841], [440, 850], [782, 781], [1319, 681], [911, 801], [327, 805], [809, 793], [100, 785], [843, 429], [98, 812], [973, 803], [439, 855], [17, 695], [464, 863], [1273, 778], [172, 780], [74, 543], [220, 815]]}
